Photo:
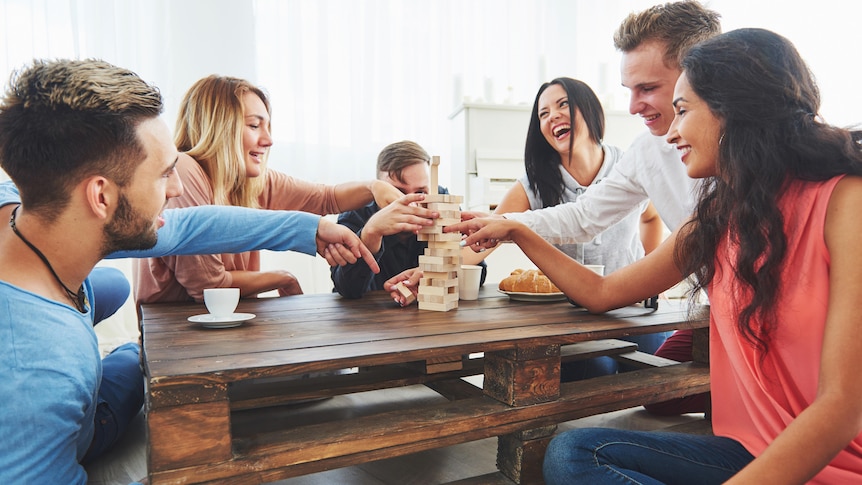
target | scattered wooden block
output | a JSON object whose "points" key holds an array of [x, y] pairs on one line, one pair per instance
{"points": [[408, 295]]}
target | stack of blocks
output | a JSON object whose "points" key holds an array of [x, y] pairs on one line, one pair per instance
{"points": [[438, 288]]}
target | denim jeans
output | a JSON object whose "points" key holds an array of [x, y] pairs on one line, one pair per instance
{"points": [[121, 396], [110, 290], [601, 455]]}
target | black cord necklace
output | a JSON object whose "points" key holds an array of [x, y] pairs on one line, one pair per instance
{"points": [[79, 298]]}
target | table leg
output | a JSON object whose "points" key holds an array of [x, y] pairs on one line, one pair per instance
{"points": [[520, 377], [187, 427]]}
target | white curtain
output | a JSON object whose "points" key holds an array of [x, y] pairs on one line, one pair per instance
{"points": [[348, 77]]}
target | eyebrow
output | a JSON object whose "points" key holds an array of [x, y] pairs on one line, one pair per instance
{"points": [[172, 166], [677, 100]]}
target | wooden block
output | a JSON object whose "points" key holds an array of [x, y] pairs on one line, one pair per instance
{"points": [[521, 459], [446, 260], [445, 275], [439, 268], [431, 290], [442, 282], [191, 434], [444, 297], [442, 207], [445, 291], [444, 237], [447, 221], [435, 164], [522, 382], [443, 364], [432, 229], [438, 307], [408, 295], [444, 251]]}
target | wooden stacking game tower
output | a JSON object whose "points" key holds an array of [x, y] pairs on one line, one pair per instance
{"points": [[438, 288]]}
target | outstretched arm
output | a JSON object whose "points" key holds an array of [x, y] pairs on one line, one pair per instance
{"points": [[355, 195], [638, 281]]}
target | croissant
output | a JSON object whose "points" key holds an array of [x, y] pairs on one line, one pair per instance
{"points": [[528, 281]]}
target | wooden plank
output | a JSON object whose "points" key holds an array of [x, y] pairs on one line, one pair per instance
{"points": [[643, 360], [454, 389], [248, 395], [308, 449], [496, 478], [595, 348]]}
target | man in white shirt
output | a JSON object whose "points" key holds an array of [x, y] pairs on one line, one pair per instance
{"points": [[652, 43]]}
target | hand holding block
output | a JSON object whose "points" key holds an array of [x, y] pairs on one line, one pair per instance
{"points": [[408, 295]]}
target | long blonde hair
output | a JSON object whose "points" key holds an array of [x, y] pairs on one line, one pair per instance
{"points": [[209, 129]]}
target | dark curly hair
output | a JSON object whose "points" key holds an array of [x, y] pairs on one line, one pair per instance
{"points": [[756, 83]]}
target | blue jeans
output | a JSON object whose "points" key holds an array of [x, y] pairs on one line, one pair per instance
{"points": [[603, 366], [121, 396], [110, 291], [601, 455]]}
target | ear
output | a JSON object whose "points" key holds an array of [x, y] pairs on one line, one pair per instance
{"points": [[101, 196]]}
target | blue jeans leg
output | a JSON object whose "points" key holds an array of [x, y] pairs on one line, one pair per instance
{"points": [[121, 396], [599, 455], [110, 290]]}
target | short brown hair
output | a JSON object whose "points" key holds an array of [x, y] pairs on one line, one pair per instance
{"points": [[64, 120], [394, 158], [678, 25]]}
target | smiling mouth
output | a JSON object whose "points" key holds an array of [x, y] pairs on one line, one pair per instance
{"points": [[561, 130], [650, 118]]}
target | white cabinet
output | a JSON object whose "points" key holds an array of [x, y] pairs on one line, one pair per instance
{"points": [[488, 148], [487, 151]]}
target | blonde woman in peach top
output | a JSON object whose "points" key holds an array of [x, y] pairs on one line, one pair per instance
{"points": [[223, 134]]}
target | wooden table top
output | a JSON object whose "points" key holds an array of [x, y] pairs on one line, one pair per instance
{"points": [[320, 332]]}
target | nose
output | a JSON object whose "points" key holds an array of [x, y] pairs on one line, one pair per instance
{"points": [[672, 133], [635, 104], [175, 185], [265, 138]]}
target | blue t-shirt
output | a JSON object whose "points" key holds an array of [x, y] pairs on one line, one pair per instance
{"points": [[50, 367]]}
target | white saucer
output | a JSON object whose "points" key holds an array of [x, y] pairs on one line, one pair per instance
{"points": [[208, 320]]}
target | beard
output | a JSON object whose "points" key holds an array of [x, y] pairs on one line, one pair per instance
{"points": [[128, 229]]}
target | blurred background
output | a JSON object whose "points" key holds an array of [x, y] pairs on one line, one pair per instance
{"points": [[347, 77]]}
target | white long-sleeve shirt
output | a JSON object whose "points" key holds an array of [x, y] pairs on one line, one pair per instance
{"points": [[650, 169]]}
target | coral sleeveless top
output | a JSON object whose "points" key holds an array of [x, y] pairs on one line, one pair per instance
{"points": [[755, 399]]}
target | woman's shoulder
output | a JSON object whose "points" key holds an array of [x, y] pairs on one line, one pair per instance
{"points": [[186, 165]]}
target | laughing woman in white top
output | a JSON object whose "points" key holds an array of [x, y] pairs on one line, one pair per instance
{"points": [[563, 156]]}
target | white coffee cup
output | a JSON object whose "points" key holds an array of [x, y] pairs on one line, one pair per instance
{"points": [[598, 269], [468, 282], [221, 302]]}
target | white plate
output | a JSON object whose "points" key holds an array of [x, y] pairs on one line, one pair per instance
{"points": [[524, 296], [211, 321]]}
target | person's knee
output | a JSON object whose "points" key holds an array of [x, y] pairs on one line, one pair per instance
{"points": [[122, 379], [563, 454]]}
